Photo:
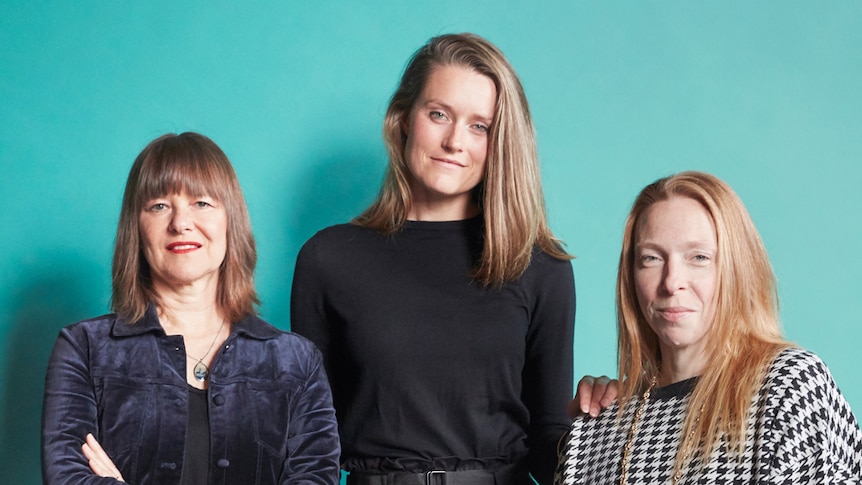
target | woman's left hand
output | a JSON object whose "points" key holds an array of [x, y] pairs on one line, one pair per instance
{"points": [[99, 461]]}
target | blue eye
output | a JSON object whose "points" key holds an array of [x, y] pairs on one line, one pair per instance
{"points": [[703, 256], [481, 127], [437, 115], [158, 207], [648, 260]]}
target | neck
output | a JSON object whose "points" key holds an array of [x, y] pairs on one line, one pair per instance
{"points": [[680, 364], [431, 210], [189, 315], [199, 293]]}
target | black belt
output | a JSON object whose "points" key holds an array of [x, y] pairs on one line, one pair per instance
{"points": [[508, 475]]}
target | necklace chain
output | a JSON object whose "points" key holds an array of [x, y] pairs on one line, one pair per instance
{"points": [[630, 440], [631, 436], [201, 370]]}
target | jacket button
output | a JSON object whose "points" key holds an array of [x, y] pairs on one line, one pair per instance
{"points": [[223, 463], [218, 399]]}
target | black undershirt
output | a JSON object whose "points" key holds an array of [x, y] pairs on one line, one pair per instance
{"points": [[197, 452]]}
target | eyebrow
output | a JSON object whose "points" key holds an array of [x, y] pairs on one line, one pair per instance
{"points": [[703, 243]]}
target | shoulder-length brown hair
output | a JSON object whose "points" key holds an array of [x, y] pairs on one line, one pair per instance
{"points": [[744, 336], [510, 193], [193, 164]]}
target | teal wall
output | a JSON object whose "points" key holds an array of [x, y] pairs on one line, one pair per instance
{"points": [[767, 95]]}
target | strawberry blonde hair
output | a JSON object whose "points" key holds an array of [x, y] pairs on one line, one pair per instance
{"points": [[744, 336]]}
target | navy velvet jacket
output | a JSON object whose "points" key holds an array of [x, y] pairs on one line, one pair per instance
{"points": [[270, 407]]}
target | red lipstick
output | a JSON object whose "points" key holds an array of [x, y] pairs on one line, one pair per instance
{"points": [[182, 247]]}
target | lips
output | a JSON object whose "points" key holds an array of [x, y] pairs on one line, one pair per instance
{"points": [[448, 161], [181, 247], [674, 314]]}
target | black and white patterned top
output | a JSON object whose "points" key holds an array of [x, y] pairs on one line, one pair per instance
{"points": [[800, 431]]}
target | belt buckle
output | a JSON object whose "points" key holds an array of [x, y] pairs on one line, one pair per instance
{"points": [[429, 476]]}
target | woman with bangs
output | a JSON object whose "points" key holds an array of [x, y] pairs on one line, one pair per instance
{"points": [[710, 391], [183, 383], [445, 311]]}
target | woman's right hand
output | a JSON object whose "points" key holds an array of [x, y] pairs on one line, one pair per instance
{"points": [[593, 395], [99, 461]]}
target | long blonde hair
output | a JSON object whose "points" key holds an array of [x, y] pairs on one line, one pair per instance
{"points": [[744, 337], [194, 164], [510, 193]]}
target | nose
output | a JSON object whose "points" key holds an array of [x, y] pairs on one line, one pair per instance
{"points": [[675, 277], [452, 141], [181, 219]]}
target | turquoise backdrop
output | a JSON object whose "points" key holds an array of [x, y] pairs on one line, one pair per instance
{"points": [[767, 95]]}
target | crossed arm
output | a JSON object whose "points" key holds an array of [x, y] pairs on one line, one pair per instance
{"points": [[99, 461]]}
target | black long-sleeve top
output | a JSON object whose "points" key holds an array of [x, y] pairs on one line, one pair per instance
{"points": [[429, 368]]}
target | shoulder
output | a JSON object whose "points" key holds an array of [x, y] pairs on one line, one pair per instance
{"points": [[334, 241], [95, 327], [546, 270], [297, 344], [590, 447], [797, 368], [102, 321], [338, 234], [544, 260], [77, 341], [807, 419], [333, 252], [268, 338], [799, 393]]}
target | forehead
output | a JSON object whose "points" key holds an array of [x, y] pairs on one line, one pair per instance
{"points": [[677, 219], [460, 87]]}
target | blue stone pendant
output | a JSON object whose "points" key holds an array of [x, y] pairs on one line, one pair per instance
{"points": [[201, 371]]}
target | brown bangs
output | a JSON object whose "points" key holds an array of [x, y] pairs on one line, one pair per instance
{"points": [[182, 166], [190, 164]]}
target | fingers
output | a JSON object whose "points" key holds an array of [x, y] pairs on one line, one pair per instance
{"points": [[593, 395], [584, 395], [612, 391], [593, 405], [99, 461]]}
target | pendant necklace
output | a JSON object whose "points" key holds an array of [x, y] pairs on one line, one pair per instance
{"points": [[201, 371]]}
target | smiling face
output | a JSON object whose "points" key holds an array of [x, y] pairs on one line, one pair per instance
{"points": [[675, 274], [447, 142], [184, 240]]}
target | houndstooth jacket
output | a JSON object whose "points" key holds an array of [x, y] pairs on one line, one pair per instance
{"points": [[800, 431]]}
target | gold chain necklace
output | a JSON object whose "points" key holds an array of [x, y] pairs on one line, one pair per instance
{"points": [[630, 440]]}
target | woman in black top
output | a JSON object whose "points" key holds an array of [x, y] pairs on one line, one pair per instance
{"points": [[445, 311]]}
